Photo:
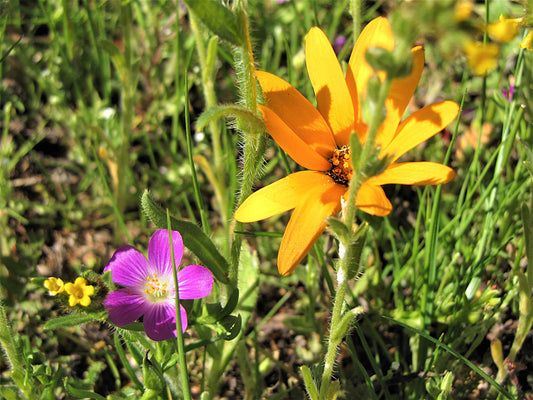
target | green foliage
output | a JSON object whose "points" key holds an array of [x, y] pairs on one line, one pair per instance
{"points": [[219, 19], [101, 100], [193, 237]]}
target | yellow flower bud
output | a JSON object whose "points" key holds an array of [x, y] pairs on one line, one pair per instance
{"points": [[79, 292], [54, 286]]}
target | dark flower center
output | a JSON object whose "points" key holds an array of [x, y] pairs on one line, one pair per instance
{"points": [[341, 166]]}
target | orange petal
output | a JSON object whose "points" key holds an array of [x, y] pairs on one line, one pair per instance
{"points": [[400, 93], [420, 126], [415, 173], [289, 141], [297, 112], [377, 33], [280, 196], [307, 223], [372, 200], [332, 96]]}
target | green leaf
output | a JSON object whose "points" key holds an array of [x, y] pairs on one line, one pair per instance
{"points": [[193, 238], [116, 56], [69, 320], [230, 110], [9, 393], [310, 386], [217, 312], [220, 20], [232, 324], [81, 393], [454, 353], [337, 227], [529, 154], [355, 250]]}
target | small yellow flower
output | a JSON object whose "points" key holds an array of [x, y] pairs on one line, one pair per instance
{"points": [[463, 10], [526, 43], [54, 286], [481, 57], [504, 30], [79, 292]]}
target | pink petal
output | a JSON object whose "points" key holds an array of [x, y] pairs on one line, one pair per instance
{"points": [[160, 321], [159, 251], [124, 306], [128, 266], [194, 282]]}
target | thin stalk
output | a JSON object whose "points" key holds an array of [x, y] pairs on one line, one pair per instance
{"points": [[196, 188], [127, 111], [358, 177], [179, 334], [207, 58], [352, 247], [207, 61], [355, 10]]}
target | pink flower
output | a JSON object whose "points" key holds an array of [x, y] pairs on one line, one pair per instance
{"points": [[149, 289]]}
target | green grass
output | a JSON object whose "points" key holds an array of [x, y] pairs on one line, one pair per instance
{"points": [[99, 102]]}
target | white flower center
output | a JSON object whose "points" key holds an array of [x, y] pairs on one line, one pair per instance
{"points": [[158, 288]]}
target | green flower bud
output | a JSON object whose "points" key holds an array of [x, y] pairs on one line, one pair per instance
{"points": [[153, 379]]}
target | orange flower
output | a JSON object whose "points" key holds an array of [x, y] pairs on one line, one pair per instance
{"points": [[318, 139]]}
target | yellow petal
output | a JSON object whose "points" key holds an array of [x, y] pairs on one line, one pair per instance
{"points": [[372, 200], [307, 223], [289, 141], [399, 96], [415, 173], [420, 126], [504, 30], [377, 33], [297, 112], [526, 43], [332, 96], [482, 57], [280, 196]]}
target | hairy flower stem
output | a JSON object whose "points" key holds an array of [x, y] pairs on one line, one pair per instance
{"points": [[352, 246], [14, 357], [254, 142], [355, 11], [254, 148]]}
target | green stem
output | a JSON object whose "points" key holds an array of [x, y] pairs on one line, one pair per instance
{"points": [[254, 142], [207, 64], [207, 58], [127, 112], [254, 147], [181, 348], [355, 10], [378, 115], [352, 246]]}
